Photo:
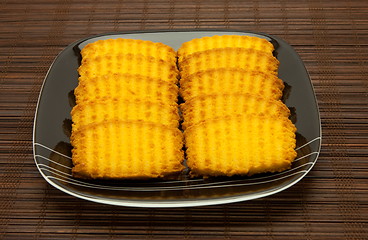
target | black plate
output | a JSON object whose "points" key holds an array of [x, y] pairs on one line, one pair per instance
{"points": [[52, 127]]}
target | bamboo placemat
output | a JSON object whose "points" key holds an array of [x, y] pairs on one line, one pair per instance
{"points": [[329, 203]]}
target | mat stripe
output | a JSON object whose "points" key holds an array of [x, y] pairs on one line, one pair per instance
{"points": [[14, 171], [341, 163]]}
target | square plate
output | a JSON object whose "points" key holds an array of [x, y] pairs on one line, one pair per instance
{"points": [[52, 125]]}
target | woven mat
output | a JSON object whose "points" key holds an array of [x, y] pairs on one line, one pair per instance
{"points": [[329, 203]]}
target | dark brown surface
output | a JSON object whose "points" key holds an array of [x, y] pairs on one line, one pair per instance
{"points": [[330, 203]]}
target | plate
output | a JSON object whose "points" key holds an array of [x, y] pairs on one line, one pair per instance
{"points": [[52, 125]]}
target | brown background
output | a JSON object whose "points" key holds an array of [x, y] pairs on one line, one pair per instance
{"points": [[330, 203]]}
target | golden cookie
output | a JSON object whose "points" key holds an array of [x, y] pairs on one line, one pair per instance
{"points": [[244, 58], [129, 46], [206, 107], [125, 86], [231, 80], [124, 109], [126, 149], [240, 145], [234, 41], [130, 64]]}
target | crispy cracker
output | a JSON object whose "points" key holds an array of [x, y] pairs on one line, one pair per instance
{"points": [[128, 63], [247, 59], [129, 46], [126, 149], [205, 107], [128, 86], [124, 109], [231, 80], [240, 145], [234, 41]]}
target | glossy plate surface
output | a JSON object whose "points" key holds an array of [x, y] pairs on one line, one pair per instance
{"points": [[52, 127]]}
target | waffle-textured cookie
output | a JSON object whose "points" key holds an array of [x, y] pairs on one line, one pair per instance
{"points": [[243, 145], [129, 46], [124, 109], [129, 63], [126, 149], [125, 86], [244, 58], [231, 80], [206, 107], [207, 43]]}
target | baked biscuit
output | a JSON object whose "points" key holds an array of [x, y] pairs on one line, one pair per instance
{"points": [[129, 63], [123, 109], [207, 43], [129, 46], [244, 58], [240, 145], [127, 86], [126, 149], [231, 80], [206, 107]]}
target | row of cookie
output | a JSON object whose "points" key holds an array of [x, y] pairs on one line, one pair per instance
{"points": [[125, 123], [234, 121]]}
